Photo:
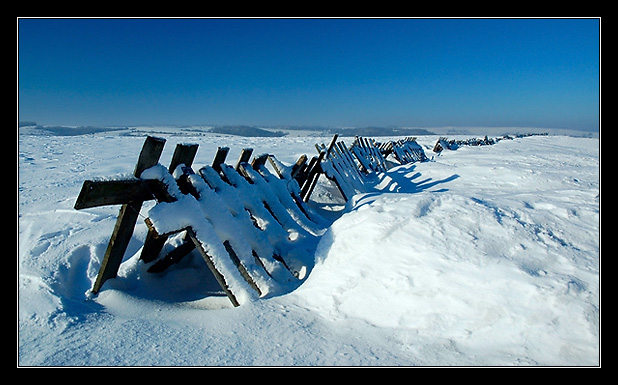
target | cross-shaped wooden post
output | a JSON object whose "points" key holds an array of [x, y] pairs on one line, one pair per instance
{"points": [[131, 194]]}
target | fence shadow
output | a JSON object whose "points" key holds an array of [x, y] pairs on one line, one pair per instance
{"points": [[404, 179]]}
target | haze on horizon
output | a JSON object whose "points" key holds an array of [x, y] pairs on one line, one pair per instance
{"points": [[311, 72]]}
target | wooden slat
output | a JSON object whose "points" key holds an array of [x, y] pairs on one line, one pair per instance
{"points": [[299, 166], [211, 265], [162, 195], [243, 271], [259, 161], [183, 154], [220, 158], [172, 257], [150, 154], [277, 167], [112, 192], [244, 157]]}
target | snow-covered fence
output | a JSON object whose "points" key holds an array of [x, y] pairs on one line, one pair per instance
{"points": [[351, 169], [340, 167], [453, 144], [403, 150], [252, 228], [131, 193], [368, 154], [307, 176]]}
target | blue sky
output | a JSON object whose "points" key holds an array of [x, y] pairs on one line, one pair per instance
{"points": [[329, 72]]}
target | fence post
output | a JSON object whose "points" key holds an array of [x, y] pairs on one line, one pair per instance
{"points": [[127, 217]]}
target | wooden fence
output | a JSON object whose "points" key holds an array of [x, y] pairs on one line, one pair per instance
{"points": [[351, 168], [253, 228], [453, 144]]}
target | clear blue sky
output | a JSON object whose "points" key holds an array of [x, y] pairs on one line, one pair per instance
{"points": [[330, 72]]}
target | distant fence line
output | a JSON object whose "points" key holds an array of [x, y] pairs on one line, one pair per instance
{"points": [[452, 144]]}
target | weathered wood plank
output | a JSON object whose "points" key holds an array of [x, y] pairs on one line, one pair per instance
{"points": [[259, 161], [244, 157], [278, 167], [163, 195], [123, 230], [150, 154], [153, 244], [220, 158], [172, 257], [241, 268], [299, 166], [211, 265], [112, 192], [183, 154]]}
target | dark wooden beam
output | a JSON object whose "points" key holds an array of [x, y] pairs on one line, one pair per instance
{"points": [[112, 192], [183, 154], [245, 155], [220, 158]]}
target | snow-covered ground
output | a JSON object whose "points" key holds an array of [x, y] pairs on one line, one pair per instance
{"points": [[481, 256]]}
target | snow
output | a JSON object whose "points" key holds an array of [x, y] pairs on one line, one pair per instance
{"points": [[480, 256]]}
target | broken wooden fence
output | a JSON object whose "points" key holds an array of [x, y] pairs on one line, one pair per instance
{"points": [[452, 144], [404, 150], [253, 229], [250, 226], [352, 168]]}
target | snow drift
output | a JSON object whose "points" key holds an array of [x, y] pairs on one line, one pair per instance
{"points": [[480, 256]]}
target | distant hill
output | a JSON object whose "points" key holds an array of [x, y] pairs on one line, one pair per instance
{"points": [[246, 131], [383, 131], [70, 131], [252, 131]]}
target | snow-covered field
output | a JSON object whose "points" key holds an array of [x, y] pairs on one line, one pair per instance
{"points": [[481, 256]]}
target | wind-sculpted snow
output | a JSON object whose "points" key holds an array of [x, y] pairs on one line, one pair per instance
{"points": [[480, 256]]}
